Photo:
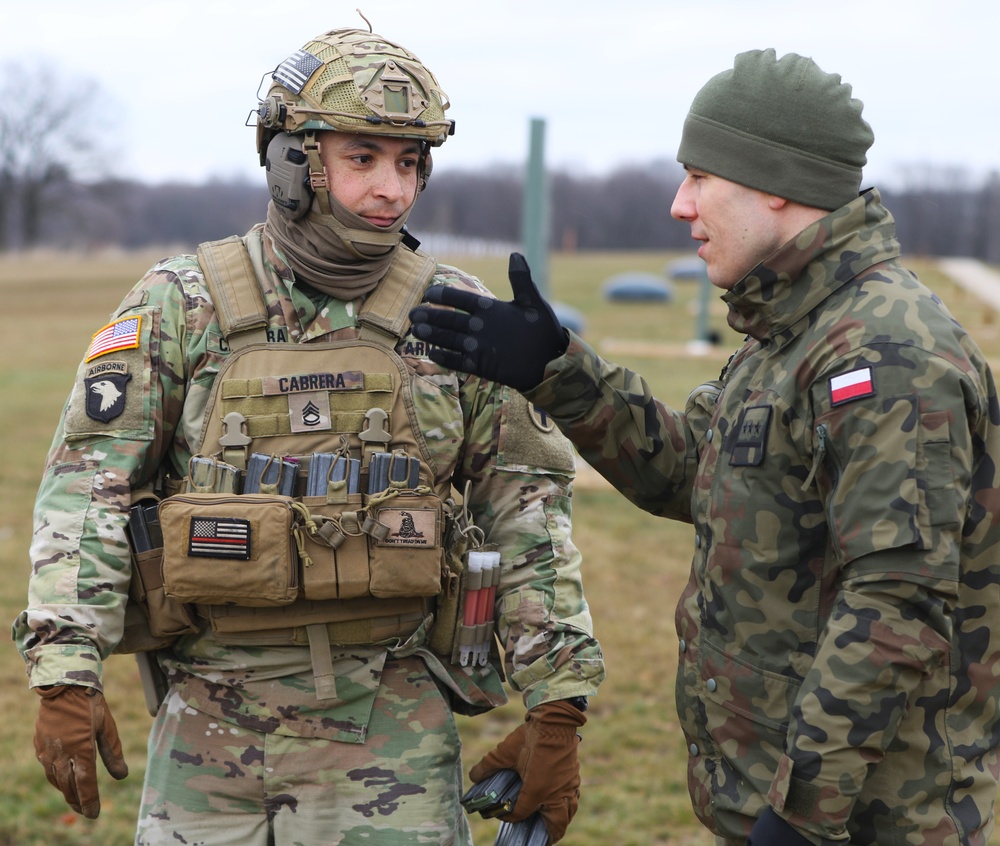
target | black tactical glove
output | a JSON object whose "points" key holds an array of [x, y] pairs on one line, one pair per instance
{"points": [[506, 342], [772, 830]]}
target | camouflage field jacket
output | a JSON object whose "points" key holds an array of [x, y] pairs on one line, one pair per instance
{"points": [[839, 647], [477, 432]]}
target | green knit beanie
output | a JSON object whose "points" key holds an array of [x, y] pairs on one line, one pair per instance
{"points": [[781, 126]]}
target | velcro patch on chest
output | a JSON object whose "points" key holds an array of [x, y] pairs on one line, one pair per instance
{"points": [[409, 527], [309, 412], [309, 395], [219, 537], [750, 438], [348, 380]]}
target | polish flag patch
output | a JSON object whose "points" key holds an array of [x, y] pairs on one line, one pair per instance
{"points": [[852, 385]]}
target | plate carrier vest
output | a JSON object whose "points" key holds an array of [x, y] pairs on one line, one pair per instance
{"points": [[348, 567]]}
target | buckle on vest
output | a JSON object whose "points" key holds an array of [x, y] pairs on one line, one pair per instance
{"points": [[235, 440]]}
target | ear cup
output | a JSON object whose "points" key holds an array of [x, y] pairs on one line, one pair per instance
{"points": [[287, 168]]}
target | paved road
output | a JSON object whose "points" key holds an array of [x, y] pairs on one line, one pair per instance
{"points": [[976, 277]]}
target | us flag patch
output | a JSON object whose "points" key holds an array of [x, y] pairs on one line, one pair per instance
{"points": [[295, 71], [121, 335], [220, 537], [852, 385]]}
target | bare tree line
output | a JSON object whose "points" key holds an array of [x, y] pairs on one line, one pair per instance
{"points": [[625, 210], [55, 192]]}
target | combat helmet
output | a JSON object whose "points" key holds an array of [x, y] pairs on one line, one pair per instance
{"points": [[347, 80]]}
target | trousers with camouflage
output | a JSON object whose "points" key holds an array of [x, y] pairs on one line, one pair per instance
{"points": [[220, 784]]}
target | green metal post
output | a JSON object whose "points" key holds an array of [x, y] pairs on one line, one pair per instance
{"points": [[535, 210]]}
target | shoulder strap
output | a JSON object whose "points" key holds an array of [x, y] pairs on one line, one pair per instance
{"points": [[232, 282], [386, 312], [229, 272]]}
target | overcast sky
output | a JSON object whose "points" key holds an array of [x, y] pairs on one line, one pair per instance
{"points": [[612, 79]]}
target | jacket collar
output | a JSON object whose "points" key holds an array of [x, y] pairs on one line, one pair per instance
{"points": [[770, 302]]}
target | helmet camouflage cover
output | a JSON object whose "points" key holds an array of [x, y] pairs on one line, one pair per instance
{"points": [[354, 81]]}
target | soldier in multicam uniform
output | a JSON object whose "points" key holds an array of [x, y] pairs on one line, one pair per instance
{"points": [[839, 665], [324, 714]]}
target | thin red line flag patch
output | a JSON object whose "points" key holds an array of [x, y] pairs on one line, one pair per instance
{"points": [[852, 385], [219, 537], [121, 335]]}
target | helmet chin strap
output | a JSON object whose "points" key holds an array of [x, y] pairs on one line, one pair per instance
{"points": [[317, 173], [361, 239]]}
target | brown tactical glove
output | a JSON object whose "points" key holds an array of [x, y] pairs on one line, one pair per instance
{"points": [[72, 722], [543, 751]]}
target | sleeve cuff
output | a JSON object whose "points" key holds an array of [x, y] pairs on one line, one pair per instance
{"points": [[65, 664], [821, 813]]}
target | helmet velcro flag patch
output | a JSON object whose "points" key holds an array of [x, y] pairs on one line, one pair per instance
{"points": [[123, 334], [295, 71], [852, 385]]}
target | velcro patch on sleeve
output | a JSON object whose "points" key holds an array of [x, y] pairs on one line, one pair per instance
{"points": [[852, 385], [105, 390], [529, 441], [121, 334], [114, 389]]}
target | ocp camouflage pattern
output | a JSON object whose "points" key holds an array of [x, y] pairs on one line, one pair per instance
{"points": [[400, 788], [839, 648], [81, 565]]}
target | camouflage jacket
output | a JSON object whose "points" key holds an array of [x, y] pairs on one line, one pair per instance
{"points": [[839, 657], [477, 432]]}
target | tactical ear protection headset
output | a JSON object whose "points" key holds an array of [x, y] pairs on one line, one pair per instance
{"points": [[287, 168]]}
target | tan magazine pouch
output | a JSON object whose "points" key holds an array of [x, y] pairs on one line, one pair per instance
{"points": [[390, 548], [405, 544], [152, 620], [168, 618], [444, 634], [226, 549], [337, 550], [449, 633]]}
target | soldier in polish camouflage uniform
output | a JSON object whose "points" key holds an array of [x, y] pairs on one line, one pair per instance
{"points": [[252, 745], [839, 665]]}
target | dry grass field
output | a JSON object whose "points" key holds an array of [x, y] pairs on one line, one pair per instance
{"points": [[634, 791]]}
